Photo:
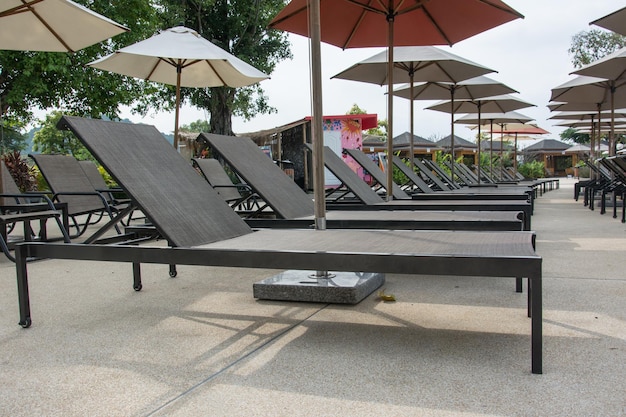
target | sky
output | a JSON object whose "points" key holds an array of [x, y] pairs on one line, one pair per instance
{"points": [[530, 55]]}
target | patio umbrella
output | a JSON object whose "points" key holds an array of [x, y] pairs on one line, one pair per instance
{"points": [[180, 56], [495, 104], [517, 128], [390, 23], [424, 63], [470, 89], [613, 68], [501, 119], [52, 26], [615, 21]]}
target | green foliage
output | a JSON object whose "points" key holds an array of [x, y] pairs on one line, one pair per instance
{"points": [[50, 140], [48, 80], [575, 136], [591, 45], [197, 126], [10, 137], [532, 170], [22, 173], [107, 177]]}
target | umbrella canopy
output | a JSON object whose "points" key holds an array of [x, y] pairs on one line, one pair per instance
{"points": [[52, 26], [584, 115], [423, 63], [495, 104], [497, 118], [613, 68], [471, 89], [390, 23], [180, 56], [501, 119], [615, 21]]}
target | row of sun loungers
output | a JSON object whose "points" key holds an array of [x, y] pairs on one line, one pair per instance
{"points": [[608, 180], [201, 228]]}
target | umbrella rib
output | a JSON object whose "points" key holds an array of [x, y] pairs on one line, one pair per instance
{"points": [[217, 74], [504, 9], [436, 26], [22, 8], [43, 22]]}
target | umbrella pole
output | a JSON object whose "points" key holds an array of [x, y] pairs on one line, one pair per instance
{"points": [[452, 134], [317, 113], [411, 106], [177, 113], [612, 134], [491, 148], [515, 154], [389, 187], [479, 109], [501, 151]]}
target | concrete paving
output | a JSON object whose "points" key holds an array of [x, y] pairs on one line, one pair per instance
{"points": [[201, 345]]}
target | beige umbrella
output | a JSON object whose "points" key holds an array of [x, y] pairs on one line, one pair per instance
{"points": [[180, 56], [612, 68], [52, 26], [423, 63], [470, 89], [493, 105], [615, 21], [500, 119]]}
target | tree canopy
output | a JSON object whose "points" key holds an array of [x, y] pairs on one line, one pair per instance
{"points": [[62, 81], [591, 45]]}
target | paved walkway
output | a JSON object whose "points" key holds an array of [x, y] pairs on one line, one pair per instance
{"points": [[200, 345]]}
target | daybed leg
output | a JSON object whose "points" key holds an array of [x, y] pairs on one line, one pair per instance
{"points": [[137, 276], [536, 325], [173, 271], [518, 284], [22, 286]]}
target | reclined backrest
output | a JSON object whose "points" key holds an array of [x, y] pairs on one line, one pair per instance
{"points": [[279, 191], [7, 185], [377, 173], [178, 201], [214, 173], [64, 174]]}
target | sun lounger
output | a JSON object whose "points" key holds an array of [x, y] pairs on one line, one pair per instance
{"points": [[17, 207], [85, 205], [270, 183], [206, 231], [367, 199]]}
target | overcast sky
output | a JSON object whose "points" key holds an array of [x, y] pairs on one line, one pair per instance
{"points": [[529, 55]]}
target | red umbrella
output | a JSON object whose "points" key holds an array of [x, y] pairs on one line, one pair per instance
{"points": [[389, 23]]}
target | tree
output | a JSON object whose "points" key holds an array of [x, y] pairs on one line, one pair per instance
{"points": [[240, 28], [197, 126], [575, 136], [589, 46], [50, 140], [47, 80], [379, 130], [10, 138]]}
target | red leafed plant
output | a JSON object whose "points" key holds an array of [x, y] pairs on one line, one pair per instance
{"points": [[23, 175]]}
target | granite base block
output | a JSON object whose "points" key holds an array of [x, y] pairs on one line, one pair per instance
{"points": [[338, 288]]}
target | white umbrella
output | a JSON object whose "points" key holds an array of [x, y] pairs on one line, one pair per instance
{"points": [[613, 68], [495, 104], [180, 56], [52, 26], [422, 63], [470, 89], [500, 119]]}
